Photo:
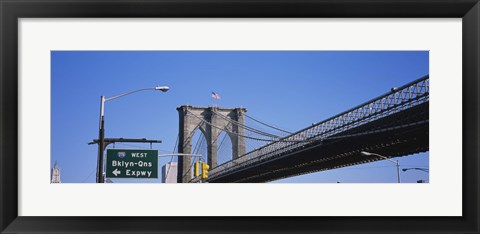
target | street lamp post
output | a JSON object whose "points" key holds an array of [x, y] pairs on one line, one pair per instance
{"points": [[381, 156], [101, 134]]}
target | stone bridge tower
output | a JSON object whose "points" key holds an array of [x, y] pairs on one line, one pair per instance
{"points": [[203, 118]]}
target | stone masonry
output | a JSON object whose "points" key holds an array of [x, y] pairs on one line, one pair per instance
{"points": [[188, 124]]}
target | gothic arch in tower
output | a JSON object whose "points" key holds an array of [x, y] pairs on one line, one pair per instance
{"points": [[211, 124]]}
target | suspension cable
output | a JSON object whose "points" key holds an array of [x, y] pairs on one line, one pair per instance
{"points": [[258, 121], [195, 160], [253, 138], [246, 127], [221, 142], [171, 158], [284, 139], [199, 141], [220, 149]]}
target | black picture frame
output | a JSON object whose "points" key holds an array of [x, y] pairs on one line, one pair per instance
{"points": [[11, 11]]}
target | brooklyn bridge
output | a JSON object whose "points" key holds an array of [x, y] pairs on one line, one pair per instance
{"points": [[394, 124]]}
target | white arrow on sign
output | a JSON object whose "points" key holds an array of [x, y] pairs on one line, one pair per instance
{"points": [[116, 172]]}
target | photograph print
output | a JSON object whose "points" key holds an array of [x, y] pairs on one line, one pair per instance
{"points": [[239, 117]]}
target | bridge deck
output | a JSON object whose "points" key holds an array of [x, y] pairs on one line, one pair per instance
{"points": [[390, 140]]}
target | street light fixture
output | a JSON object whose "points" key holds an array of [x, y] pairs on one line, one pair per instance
{"points": [[416, 168], [162, 88], [101, 134], [381, 156]]}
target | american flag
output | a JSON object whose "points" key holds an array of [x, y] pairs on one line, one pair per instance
{"points": [[215, 96]]}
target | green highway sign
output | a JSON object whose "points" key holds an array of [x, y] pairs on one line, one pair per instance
{"points": [[132, 163]]}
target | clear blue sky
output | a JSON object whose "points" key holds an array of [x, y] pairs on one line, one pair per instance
{"points": [[289, 89]]}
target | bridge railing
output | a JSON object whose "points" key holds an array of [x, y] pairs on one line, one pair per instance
{"points": [[398, 99]]}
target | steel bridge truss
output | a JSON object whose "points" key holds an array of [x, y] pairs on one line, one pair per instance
{"points": [[399, 99]]}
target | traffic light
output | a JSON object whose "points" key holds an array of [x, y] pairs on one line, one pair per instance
{"points": [[205, 168], [196, 169]]}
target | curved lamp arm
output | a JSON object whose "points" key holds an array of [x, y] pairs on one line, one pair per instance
{"points": [[161, 88], [378, 155]]}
